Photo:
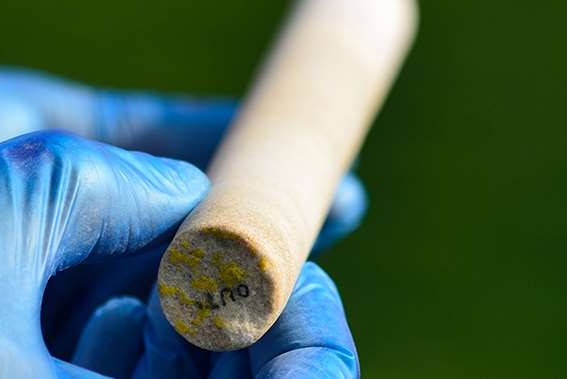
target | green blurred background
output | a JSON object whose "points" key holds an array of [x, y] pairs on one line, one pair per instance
{"points": [[459, 269]]}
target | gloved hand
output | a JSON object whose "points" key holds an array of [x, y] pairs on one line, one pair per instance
{"points": [[65, 201], [177, 127], [311, 339]]}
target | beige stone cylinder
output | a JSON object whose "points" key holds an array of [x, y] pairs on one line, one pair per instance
{"points": [[232, 266]]}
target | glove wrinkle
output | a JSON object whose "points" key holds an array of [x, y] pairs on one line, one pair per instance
{"points": [[66, 200]]}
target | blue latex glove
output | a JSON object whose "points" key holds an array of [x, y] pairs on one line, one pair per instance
{"points": [[64, 201], [311, 339], [173, 126]]}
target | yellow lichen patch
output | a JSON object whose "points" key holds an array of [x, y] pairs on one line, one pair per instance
{"points": [[183, 328], [184, 298], [165, 290], [193, 261], [219, 322], [199, 253], [202, 314], [204, 283], [220, 233], [192, 258], [230, 273], [263, 263], [185, 244], [177, 257], [216, 260]]}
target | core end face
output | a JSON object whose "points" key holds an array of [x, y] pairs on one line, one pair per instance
{"points": [[216, 290]]}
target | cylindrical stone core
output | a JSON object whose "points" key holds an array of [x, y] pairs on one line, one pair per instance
{"points": [[220, 284], [233, 264]]}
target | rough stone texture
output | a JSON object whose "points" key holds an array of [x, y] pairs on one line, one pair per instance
{"points": [[215, 290]]}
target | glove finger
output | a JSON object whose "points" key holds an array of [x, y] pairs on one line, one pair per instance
{"points": [[111, 342], [166, 354], [173, 126], [16, 116], [81, 199], [227, 365], [65, 370], [64, 199], [347, 210], [67, 308], [311, 339]]}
